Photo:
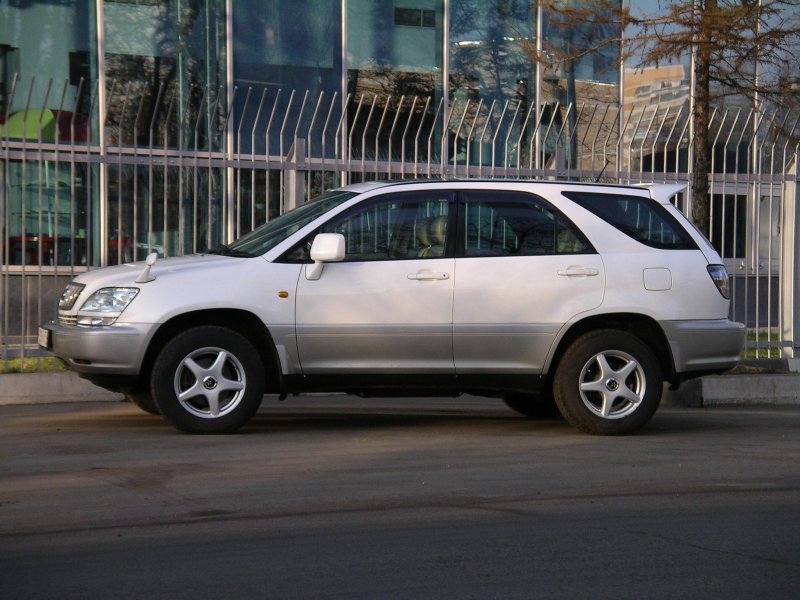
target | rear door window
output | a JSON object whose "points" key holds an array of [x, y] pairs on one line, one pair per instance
{"points": [[503, 223]]}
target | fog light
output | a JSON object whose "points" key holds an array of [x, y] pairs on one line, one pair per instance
{"points": [[96, 321]]}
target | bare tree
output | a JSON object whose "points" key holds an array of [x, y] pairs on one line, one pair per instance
{"points": [[744, 48]]}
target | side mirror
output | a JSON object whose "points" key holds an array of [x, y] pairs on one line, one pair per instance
{"points": [[327, 247]]}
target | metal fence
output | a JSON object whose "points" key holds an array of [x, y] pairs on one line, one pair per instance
{"points": [[105, 176]]}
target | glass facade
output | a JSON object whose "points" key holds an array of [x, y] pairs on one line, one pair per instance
{"points": [[659, 94], [394, 48], [134, 126], [164, 65], [492, 77], [48, 57], [581, 69], [394, 73], [48, 40], [279, 48], [160, 51], [448, 86], [287, 66], [369, 79]]}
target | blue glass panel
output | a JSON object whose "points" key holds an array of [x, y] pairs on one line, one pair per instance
{"points": [[280, 47]]}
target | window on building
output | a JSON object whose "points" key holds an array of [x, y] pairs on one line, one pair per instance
{"points": [[394, 72], [414, 17], [47, 62], [489, 67], [729, 224], [165, 68], [165, 88], [280, 47]]}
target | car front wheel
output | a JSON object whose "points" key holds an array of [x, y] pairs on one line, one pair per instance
{"points": [[208, 380], [608, 382]]}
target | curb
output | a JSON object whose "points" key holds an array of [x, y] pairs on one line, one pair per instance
{"points": [[753, 382], [740, 390], [50, 388]]}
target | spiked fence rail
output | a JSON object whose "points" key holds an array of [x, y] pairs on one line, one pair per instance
{"points": [[92, 176]]}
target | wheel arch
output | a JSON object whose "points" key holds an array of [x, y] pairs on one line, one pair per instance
{"points": [[242, 322], [643, 327]]}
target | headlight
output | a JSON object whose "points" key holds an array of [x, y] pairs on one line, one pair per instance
{"points": [[108, 302], [69, 295]]}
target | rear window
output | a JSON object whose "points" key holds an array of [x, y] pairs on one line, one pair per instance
{"points": [[643, 219]]}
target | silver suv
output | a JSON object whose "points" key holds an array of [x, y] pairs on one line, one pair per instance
{"points": [[577, 298]]}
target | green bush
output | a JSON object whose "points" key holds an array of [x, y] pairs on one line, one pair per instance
{"points": [[31, 364]]}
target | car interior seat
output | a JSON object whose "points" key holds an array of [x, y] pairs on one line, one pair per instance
{"points": [[431, 236]]}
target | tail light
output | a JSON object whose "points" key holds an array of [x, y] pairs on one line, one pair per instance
{"points": [[720, 278]]}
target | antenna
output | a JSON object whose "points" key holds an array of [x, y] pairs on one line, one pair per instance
{"points": [[608, 161]]}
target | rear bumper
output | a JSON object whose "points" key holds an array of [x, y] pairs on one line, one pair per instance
{"points": [[704, 346]]}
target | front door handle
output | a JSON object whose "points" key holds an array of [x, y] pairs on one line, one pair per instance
{"points": [[578, 271], [428, 276]]}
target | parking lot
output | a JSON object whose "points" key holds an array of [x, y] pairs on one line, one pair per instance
{"points": [[343, 497]]}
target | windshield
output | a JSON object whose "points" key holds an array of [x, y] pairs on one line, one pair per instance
{"points": [[269, 235]]}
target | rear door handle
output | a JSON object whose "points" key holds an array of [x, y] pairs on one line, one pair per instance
{"points": [[429, 276], [578, 271]]}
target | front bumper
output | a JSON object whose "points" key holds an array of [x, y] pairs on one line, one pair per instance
{"points": [[707, 345], [113, 350]]}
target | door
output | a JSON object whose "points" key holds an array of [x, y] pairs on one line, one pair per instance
{"points": [[523, 271], [387, 308]]}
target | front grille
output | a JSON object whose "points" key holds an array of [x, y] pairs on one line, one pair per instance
{"points": [[68, 319]]}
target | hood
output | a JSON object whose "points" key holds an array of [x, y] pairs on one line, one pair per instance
{"points": [[125, 275]]}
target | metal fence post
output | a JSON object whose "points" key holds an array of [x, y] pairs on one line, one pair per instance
{"points": [[296, 177], [790, 265]]}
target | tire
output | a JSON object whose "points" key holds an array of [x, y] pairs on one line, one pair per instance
{"points": [[608, 382], [143, 400], [208, 380], [534, 406]]}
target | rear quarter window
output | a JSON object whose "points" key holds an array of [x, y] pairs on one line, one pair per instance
{"points": [[642, 219]]}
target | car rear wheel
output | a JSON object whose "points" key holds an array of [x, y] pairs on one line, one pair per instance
{"points": [[534, 406], [608, 382], [208, 380]]}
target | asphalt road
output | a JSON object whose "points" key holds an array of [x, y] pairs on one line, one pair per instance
{"points": [[350, 498]]}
